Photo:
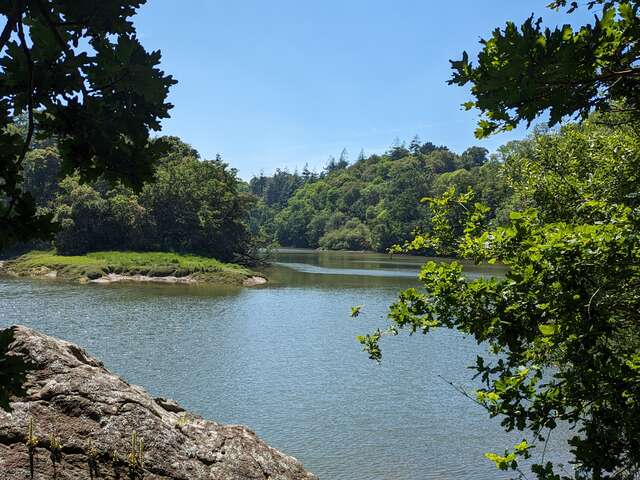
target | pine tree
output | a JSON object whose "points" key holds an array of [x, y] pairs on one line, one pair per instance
{"points": [[415, 145]]}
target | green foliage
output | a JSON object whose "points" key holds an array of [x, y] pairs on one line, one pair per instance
{"points": [[523, 71], [373, 203], [563, 326], [353, 236], [189, 206], [197, 206], [78, 70], [41, 168], [555, 171], [278, 189], [565, 320]]}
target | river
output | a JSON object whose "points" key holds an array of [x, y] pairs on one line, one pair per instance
{"points": [[283, 360]]}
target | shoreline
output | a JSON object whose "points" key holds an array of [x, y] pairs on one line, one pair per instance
{"points": [[103, 268]]}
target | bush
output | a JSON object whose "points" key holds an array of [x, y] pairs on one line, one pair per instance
{"points": [[353, 236]]}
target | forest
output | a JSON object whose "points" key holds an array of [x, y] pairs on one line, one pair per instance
{"points": [[373, 203], [190, 205], [202, 207]]}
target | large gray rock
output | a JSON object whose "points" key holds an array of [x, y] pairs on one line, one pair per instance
{"points": [[94, 413]]}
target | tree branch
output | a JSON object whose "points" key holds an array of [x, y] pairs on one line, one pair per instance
{"points": [[9, 27], [31, 128]]}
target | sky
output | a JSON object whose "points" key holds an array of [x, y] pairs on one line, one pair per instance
{"points": [[285, 83]]}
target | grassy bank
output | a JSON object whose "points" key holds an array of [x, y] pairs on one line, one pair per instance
{"points": [[133, 266]]}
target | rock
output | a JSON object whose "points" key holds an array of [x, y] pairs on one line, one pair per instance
{"points": [[115, 278], [254, 281], [169, 405], [94, 413]]}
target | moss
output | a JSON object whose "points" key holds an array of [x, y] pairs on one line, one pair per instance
{"points": [[155, 264]]}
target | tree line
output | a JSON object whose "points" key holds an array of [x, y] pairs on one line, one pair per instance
{"points": [[189, 205], [373, 203]]}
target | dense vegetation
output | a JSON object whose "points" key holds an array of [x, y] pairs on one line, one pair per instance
{"points": [[374, 203], [189, 206], [80, 72], [563, 327]]}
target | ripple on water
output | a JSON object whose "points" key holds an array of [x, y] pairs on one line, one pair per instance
{"points": [[284, 360]]}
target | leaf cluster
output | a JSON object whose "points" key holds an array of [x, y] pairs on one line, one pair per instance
{"points": [[75, 71], [525, 70], [563, 325]]}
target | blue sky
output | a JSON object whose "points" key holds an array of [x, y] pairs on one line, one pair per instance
{"points": [[284, 83]]}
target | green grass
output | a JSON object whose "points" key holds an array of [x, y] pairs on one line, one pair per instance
{"points": [[154, 264]]}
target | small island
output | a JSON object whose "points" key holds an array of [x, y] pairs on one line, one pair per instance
{"points": [[112, 267]]}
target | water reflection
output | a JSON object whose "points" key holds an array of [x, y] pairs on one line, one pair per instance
{"points": [[356, 269]]}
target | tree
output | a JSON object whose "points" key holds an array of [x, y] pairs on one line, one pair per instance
{"points": [[100, 217], [41, 168], [563, 326], [343, 161], [280, 187], [80, 75], [429, 147], [352, 236], [415, 145], [175, 149], [524, 71], [308, 175], [564, 322], [398, 150], [196, 207], [474, 157]]}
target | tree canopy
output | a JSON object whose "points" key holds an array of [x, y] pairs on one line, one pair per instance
{"points": [[374, 202], [562, 326], [76, 72], [189, 205], [526, 70]]}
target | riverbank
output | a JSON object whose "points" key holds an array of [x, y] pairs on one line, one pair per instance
{"points": [[112, 267]]}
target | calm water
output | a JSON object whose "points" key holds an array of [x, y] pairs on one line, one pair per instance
{"points": [[283, 360]]}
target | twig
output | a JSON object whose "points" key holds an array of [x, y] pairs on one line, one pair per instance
{"points": [[12, 21], [461, 391]]}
